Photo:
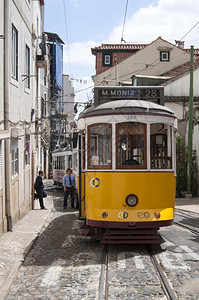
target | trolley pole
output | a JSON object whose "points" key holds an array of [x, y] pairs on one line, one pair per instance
{"points": [[190, 132]]}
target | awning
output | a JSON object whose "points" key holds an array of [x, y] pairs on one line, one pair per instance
{"points": [[15, 133], [4, 134]]}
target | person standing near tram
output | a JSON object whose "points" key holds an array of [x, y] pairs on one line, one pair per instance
{"points": [[39, 187], [69, 184]]}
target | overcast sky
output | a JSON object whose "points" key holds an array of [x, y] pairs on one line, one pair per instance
{"points": [[83, 24]]}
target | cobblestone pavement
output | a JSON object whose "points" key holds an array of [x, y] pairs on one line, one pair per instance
{"points": [[180, 261], [65, 265], [131, 274], [62, 264]]}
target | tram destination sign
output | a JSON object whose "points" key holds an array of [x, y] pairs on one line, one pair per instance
{"points": [[148, 93]]}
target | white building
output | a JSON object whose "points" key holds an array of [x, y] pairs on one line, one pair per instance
{"points": [[153, 59], [68, 103], [21, 24], [176, 91]]}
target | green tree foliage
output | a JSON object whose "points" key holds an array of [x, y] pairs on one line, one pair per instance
{"points": [[181, 168]]}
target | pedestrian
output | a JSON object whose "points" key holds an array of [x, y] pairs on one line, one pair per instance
{"points": [[69, 184], [39, 187]]}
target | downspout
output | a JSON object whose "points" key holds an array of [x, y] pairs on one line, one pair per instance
{"points": [[6, 111]]}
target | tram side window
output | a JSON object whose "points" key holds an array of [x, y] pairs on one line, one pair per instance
{"points": [[131, 145], [99, 149], [70, 161], [161, 150], [53, 162], [62, 163]]}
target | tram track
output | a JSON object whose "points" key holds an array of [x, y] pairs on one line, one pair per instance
{"points": [[165, 286], [187, 227], [169, 292], [185, 214], [103, 276]]}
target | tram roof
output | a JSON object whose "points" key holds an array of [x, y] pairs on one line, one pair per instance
{"points": [[126, 106]]}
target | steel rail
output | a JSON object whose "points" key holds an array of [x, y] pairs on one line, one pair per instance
{"points": [[103, 276], [164, 281], [182, 213], [186, 227], [180, 210]]}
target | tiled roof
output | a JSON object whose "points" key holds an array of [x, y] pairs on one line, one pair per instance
{"points": [[196, 51], [119, 47], [179, 71]]}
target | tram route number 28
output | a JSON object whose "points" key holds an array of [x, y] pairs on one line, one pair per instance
{"points": [[149, 93]]}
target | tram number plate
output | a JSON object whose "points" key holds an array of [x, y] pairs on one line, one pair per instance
{"points": [[131, 117], [149, 93]]}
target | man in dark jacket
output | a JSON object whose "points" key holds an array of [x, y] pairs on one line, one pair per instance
{"points": [[39, 187]]}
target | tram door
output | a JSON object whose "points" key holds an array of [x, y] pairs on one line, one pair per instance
{"points": [[81, 185]]}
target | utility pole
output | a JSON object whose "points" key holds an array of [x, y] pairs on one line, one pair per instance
{"points": [[116, 71], [190, 132]]}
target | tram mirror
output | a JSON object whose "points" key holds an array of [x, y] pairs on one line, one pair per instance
{"points": [[75, 137]]}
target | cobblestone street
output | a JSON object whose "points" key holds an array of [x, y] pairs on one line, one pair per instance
{"points": [[63, 264]]}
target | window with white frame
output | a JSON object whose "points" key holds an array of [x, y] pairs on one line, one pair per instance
{"points": [[27, 67], [27, 149], [164, 55], [107, 59], [14, 52], [15, 157]]}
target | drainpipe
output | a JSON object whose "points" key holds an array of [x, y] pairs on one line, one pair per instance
{"points": [[6, 111]]}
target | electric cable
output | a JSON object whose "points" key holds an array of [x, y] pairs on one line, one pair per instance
{"points": [[136, 72], [66, 28], [122, 40], [189, 31]]}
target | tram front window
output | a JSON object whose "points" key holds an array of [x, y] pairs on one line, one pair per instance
{"points": [[99, 146], [131, 144], [161, 146]]}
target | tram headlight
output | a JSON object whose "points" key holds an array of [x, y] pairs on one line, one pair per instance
{"points": [[131, 200]]}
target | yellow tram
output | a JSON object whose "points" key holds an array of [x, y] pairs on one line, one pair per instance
{"points": [[127, 170]]}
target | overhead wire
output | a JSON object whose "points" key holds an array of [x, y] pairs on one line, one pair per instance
{"points": [[189, 31], [122, 38], [136, 72], [105, 79], [67, 39]]}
